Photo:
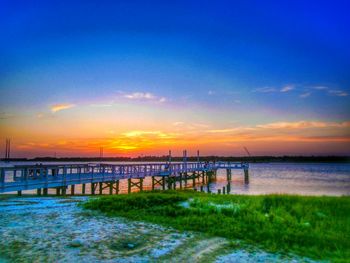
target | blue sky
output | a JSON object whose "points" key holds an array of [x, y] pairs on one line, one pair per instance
{"points": [[235, 62]]}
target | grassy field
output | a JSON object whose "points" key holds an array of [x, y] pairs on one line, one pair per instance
{"points": [[316, 227]]}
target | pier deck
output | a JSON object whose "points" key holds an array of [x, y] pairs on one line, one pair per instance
{"points": [[60, 176]]}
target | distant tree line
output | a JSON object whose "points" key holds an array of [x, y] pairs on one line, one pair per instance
{"points": [[164, 158]]}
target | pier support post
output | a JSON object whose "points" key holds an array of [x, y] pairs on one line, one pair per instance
{"points": [[228, 174], [58, 191], [117, 187], [246, 176], [83, 189], [141, 184], [111, 188], [223, 190], [92, 188], [19, 193], [45, 191], [152, 183], [129, 186], [228, 187], [38, 191], [72, 189], [64, 189], [193, 179], [101, 187]]}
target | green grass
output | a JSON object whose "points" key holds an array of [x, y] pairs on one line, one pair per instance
{"points": [[316, 227]]}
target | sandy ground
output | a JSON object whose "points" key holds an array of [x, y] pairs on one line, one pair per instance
{"points": [[50, 229]]}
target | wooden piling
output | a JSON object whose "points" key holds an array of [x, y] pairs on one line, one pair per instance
{"points": [[117, 187], [219, 191], [64, 189], [19, 193], [58, 190], [45, 191], [83, 189], [38, 191], [152, 183], [92, 188], [223, 190], [246, 176], [72, 189], [101, 187], [110, 188], [129, 186]]}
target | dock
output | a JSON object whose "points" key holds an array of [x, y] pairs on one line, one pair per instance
{"points": [[100, 176]]}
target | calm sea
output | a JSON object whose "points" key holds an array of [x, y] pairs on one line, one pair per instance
{"points": [[268, 178]]}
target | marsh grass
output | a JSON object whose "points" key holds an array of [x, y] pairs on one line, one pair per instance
{"points": [[316, 227]]}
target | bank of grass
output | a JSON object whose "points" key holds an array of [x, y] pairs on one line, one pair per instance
{"points": [[316, 227]]}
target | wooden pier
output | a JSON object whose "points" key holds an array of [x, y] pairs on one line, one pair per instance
{"points": [[99, 177]]}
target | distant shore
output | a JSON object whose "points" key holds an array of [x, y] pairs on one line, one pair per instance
{"points": [[250, 159]]}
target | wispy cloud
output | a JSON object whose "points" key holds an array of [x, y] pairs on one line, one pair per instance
{"points": [[265, 90], [320, 88], [305, 95], [287, 88], [101, 105], [329, 91], [144, 96], [61, 106], [139, 133], [303, 125], [338, 93], [5, 115]]}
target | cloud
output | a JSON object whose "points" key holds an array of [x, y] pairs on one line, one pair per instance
{"points": [[305, 95], [178, 123], [332, 92], [139, 133], [320, 88], [303, 125], [61, 106], [101, 105], [283, 125], [338, 93], [271, 89], [144, 96], [265, 90], [4, 115], [287, 88]]}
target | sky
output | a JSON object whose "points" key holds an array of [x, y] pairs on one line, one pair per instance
{"points": [[142, 77]]}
